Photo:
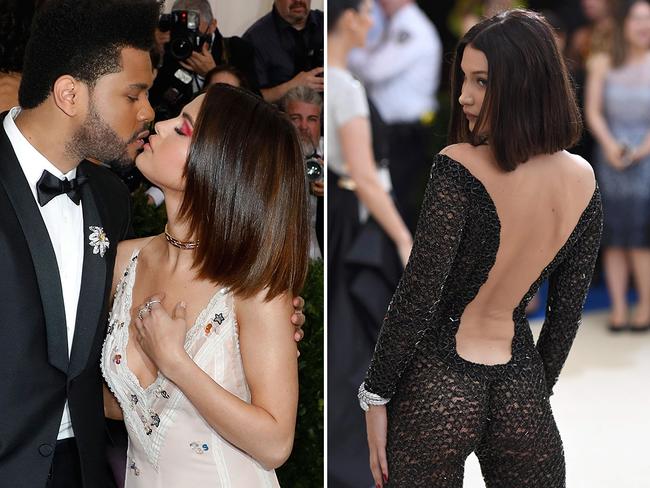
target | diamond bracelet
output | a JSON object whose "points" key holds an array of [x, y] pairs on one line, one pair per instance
{"points": [[367, 398]]}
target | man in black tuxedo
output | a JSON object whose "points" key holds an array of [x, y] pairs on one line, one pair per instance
{"points": [[178, 81], [83, 95]]}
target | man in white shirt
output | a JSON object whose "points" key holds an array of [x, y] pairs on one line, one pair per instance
{"points": [[401, 74], [83, 95]]}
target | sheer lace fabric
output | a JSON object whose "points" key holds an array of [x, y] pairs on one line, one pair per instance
{"points": [[442, 406], [170, 444]]}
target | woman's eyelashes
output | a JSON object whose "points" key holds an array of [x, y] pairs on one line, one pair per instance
{"points": [[480, 81], [185, 129]]}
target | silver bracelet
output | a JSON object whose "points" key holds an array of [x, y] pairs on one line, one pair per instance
{"points": [[367, 398]]}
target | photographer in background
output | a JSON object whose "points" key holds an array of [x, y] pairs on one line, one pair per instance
{"points": [[288, 44], [182, 74], [401, 74], [305, 107]]}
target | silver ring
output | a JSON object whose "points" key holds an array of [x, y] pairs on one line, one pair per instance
{"points": [[150, 303], [144, 309]]}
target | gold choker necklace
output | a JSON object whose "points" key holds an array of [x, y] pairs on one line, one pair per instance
{"points": [[180, 244]]}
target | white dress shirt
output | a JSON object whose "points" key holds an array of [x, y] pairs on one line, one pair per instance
{"points": [[402, 72], [64, 222]]}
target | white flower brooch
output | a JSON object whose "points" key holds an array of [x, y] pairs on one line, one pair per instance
{"points": [[98, 240]]}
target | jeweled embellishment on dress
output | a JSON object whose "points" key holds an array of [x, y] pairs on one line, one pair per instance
{"points": [[199, 448], [117, 358], [133, 467], [161, 393], [147, 427], [218, 318], [155, 419], [98, 240]]}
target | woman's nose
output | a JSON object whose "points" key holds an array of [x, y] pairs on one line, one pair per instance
{"points": [[465, 99]]}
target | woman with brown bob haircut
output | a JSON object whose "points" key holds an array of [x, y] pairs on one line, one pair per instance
{"points": [[456, 369], [208, 387]]}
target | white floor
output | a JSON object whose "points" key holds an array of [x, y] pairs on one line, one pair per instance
{"points": [[602, 407]]}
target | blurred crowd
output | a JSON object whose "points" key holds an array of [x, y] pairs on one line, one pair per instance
{"points": [[279, 57], [387, 94]]}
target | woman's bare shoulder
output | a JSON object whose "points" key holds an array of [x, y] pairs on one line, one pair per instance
{"points": [[599, 63], [460, 152], [125, 250], [578, 167]]}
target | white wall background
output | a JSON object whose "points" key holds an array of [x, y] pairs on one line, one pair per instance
{"points": [[235, 16]]}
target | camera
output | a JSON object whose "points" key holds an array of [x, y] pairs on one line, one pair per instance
{"points": [[313, 168], [185, 36]]}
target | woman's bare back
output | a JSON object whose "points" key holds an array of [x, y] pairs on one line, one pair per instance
{"points": [[538, 205]]}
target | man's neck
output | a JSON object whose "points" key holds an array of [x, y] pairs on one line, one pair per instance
{"points": [[39, 127]]}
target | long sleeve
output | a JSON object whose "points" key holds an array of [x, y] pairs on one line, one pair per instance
{"points": [[418, 293], [568, 287]]}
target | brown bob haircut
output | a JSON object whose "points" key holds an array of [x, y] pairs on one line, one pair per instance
{"points": [[245, 195], [529, 106]]}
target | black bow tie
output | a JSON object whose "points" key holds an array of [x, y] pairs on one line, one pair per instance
{"points": [[49, 186]]}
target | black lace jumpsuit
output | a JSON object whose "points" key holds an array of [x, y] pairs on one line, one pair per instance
{"points": [[443, 407]]}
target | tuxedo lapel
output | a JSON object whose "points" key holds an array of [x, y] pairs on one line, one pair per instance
{"points": [[41, 250], [93, 282]]}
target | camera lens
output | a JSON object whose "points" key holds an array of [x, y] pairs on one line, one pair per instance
{"points": [[313, 169], [180, 48]]}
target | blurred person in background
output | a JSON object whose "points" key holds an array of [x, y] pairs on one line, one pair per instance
{"points": [[467, 13], [596, 36], [618, 114], [304, 106], [289, 48], [368, 244], [402, 74], [228, 75]]}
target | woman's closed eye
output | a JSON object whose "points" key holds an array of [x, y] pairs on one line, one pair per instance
{"points": [[185, 129]]}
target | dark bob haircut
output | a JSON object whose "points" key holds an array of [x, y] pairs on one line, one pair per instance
{"points": [[246, 195], [529, 106], [83, 39]]}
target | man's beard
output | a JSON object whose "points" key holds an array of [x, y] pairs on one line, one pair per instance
{"points": [[97, 140], [299, 17]]}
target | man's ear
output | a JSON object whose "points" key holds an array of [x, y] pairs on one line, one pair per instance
{"points": [[70, 95]]}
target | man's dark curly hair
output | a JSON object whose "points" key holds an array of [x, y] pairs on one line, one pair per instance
{"points": [[15, 21], [83, 39]]}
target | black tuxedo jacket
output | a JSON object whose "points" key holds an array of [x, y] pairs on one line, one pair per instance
{"points": [[36, 375]]}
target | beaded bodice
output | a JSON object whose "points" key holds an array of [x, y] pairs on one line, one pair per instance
{"points": [[150, 411], [455, 247]]}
